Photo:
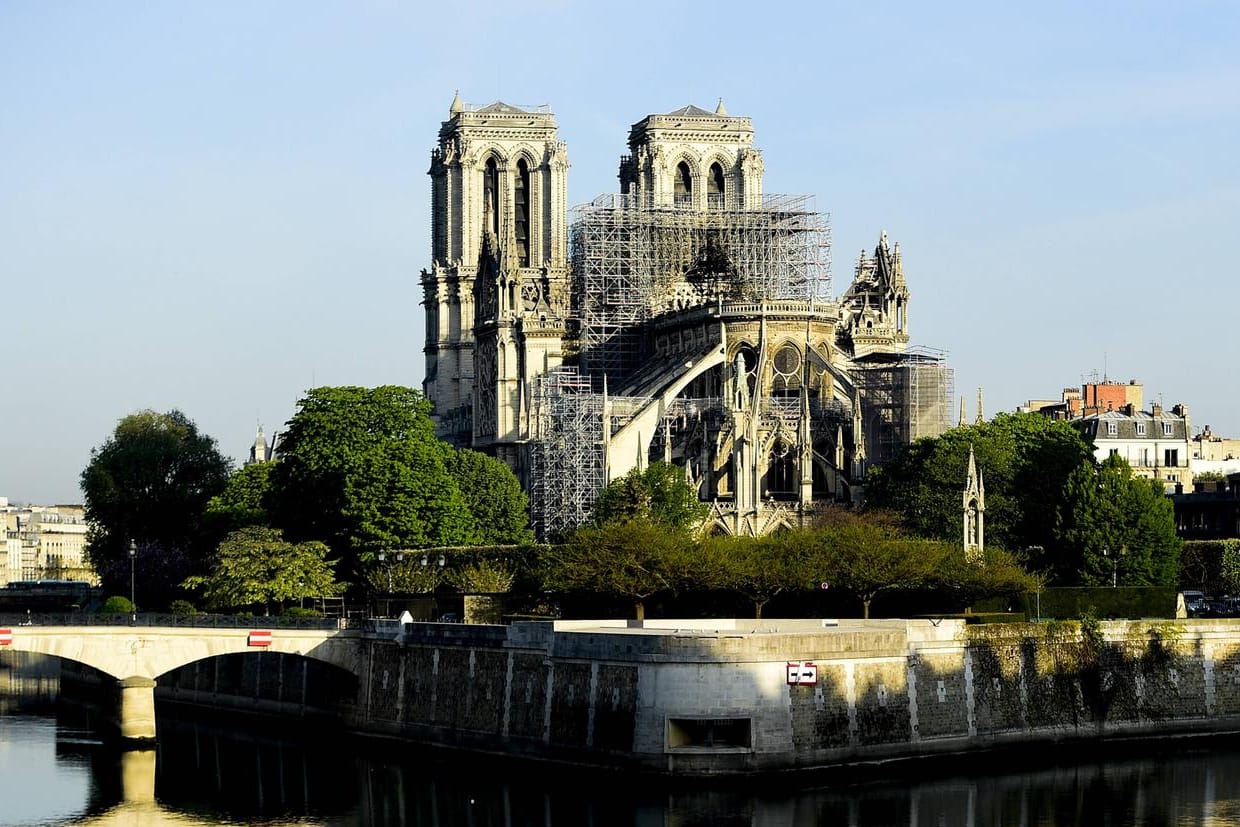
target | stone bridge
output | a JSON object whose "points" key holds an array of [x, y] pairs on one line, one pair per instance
{"points": [[137, 655]]}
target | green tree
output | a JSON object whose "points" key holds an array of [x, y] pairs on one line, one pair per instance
{"points": [[117, 605], [149, 483], [1114, 524], [1025, 460], [1229, 565], [241, 502], [256, 566], [499, 507], [997, 573], [757, 568], [660, 493], [482, 576], [868, 559], [361, 470], [631, 558], [402, 572]]}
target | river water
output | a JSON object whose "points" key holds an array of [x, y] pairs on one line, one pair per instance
{"points": [[55, 769]]}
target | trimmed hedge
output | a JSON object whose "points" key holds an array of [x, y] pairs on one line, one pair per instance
{"points": [[1201, 566], [1101, 602], [982, 617]]}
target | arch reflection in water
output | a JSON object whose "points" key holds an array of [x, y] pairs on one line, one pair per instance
{"points": [[388, 786], [209, 774]]}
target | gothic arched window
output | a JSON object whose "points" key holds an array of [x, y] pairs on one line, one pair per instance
{"points": [[521, 211], [714, 187], [490, 197], [684, 185]]}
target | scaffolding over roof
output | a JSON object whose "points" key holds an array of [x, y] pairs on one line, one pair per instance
{"points": [[629, 256]]}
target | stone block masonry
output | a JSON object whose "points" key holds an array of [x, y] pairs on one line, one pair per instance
{"points": [[714, 697]]}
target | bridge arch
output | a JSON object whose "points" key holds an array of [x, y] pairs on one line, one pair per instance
{"points": [[137, 656]]}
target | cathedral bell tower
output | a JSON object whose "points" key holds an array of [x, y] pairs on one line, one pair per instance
{"points": [[693, 159], [497, 293]]}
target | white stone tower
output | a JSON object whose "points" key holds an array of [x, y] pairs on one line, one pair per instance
{"points": [[974, 503], [693, 159], [259, 451], [497, 293]]}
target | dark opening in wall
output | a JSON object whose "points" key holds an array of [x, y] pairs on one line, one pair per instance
{"points": [[709, 733]]}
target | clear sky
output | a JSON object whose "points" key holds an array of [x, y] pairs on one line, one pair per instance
{"points": [[214, 206]]}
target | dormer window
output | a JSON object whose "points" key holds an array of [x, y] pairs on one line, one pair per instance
{"points": [[1140, 429], [1166, 429], [1112, 429]]}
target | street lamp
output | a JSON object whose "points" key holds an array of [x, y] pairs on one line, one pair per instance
{"points": [[400, 558], [426, 560], [133, 605], [1106, 552]]}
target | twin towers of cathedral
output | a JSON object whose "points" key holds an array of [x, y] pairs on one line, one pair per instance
{"points": [[498, 294]]}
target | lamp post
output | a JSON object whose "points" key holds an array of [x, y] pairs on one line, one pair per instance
{"points": [[400, 558], [133, 605], [1106, 552]]}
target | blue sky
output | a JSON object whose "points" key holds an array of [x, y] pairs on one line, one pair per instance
{"points": [[215, 206]]}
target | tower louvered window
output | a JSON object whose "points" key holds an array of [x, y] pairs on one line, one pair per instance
{"points": [[714, 188], [683, 185], [490, 197], [521, 201]]}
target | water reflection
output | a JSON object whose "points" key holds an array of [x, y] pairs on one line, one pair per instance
{"points": [[56, 770]]}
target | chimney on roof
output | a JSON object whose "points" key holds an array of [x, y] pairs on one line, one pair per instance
{"points": [[1129, 410], [1156, 409]]}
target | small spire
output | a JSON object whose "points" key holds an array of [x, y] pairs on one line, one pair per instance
{"points": [[980, 416], [962, 413], [721, 109], [457, 107]]}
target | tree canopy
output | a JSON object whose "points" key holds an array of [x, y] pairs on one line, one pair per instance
{"points": [[863, 555], [149, 483], [493, 494], [867, 559], [1024, 460], [241, 503], [256, 566], [1115, 525], [757, 568], [659, 493], [1046, 498], [360, 469], [632, 558]]}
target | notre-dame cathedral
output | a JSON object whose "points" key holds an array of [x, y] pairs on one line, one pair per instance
{"points": [[688, 318]]}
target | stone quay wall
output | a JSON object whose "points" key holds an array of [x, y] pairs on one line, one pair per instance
{"points": [[706, 697]]}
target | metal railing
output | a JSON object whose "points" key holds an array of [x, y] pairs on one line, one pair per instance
{"points": [[196, 621]]}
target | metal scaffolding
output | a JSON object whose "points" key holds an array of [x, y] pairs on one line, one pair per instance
{"points": [[566, 463], [904, 397], [630, 256]]}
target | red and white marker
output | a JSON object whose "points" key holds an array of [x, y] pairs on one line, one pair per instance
{"points": [[259, 637], [6, 637]]}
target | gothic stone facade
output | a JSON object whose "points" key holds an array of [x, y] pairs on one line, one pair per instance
{"points": [[694, 308]]}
